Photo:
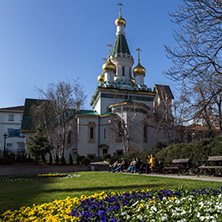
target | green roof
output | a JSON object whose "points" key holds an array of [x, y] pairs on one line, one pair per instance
{"points": [[120, 45]]}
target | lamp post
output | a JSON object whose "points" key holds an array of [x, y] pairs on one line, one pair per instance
{"points": [[5, 137]]}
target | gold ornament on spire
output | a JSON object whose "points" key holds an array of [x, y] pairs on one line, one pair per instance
{"points": [[109, 66], [101, 77], [139, 69], [120, 20]]}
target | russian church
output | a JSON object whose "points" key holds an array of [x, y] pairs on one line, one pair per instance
{"points": [[126, 115]]}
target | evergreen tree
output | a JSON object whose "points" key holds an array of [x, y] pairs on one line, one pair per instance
{"points": [[39, 144]]}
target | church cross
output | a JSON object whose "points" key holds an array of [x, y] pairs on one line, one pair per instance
{"points": [[138, 50], [120, 5], [109, 45], [104, 59]]}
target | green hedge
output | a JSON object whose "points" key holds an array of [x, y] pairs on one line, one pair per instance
{"points": [[200, 151]]}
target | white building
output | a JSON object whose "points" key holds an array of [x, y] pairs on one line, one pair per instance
{"points": [[126, 114], [10, 124]]}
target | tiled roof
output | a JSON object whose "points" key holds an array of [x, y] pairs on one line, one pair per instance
{"points": [[120, 45]]}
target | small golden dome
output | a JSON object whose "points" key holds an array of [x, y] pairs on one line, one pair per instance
{"points": [[133, 81], [139, 70], [100, 78], [109, 66], [120, 20]]}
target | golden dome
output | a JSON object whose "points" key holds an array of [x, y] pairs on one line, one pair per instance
{"points": [[133, 81], [139, 70], [120, 20], [109, 66], [100, 78]]}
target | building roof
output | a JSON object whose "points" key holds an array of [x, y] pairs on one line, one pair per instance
{"points": [[14, 108], [120, 45], [27, 123], [163, 89], [27, 117]]}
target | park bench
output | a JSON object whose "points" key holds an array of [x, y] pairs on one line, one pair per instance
{"points": [[213, 164], [177, 165]]}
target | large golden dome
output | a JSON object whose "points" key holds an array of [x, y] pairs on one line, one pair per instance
{"points": [[109, 66], [139, 70], [100, 78], [120, 20]]}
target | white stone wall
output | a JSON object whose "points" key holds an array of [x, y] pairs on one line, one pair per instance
{"points": [[5, 125]]}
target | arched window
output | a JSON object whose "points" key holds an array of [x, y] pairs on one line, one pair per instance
{"points": [[91, 132], [123, 71]]}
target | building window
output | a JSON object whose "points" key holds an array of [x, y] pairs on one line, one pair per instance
{"points": [[104, 133], [21, 147], [9, 147], [69, 138], [91, 132], [123, 71], [11, 117], [145, 133], [119, 152]]}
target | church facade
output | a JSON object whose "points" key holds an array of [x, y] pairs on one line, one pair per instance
{"points": [[126, 115]]}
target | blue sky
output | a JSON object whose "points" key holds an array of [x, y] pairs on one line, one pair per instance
{"points": [[44, 41]]}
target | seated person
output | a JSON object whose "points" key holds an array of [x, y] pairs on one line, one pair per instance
{"points": [[131, 166], [152, 161], [138, 164], [115, 166], [124, 165]]}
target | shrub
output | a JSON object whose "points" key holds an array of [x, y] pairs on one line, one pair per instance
{"points": [[79, 159], [86, 161], [200, 151], [112, 160], [106, 156]]}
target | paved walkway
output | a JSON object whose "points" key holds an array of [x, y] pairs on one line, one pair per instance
{"points": [[206, 178]]}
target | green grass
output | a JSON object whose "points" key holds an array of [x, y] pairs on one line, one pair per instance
{"points": [[14, 195]]}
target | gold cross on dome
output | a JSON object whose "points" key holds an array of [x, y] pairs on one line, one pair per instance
{"points": [[109, 45], [120, 5], [104, 59], [138, 50]]}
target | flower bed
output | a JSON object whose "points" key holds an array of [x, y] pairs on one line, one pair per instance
{"points": [[162, 205], [39, 177], [47, 175]]}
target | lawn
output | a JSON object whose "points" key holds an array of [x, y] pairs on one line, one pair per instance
{"points": [[14, 195]]}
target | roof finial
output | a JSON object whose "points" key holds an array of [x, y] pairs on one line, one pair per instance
{"points": [[120, 12], [109, 45], [104, 59], [139, 50]]}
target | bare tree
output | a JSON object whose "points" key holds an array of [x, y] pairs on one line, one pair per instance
{"points": [[61, 100], [197, 58], [127, 126]]}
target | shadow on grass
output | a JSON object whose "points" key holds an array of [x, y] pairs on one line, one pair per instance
{"points": [[105, 188], [13, 195]]}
